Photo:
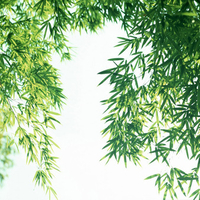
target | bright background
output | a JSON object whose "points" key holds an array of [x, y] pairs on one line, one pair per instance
{"points": [[83, 176]]}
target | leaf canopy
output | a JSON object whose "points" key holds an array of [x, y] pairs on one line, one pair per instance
{"points": [[155, 101]]}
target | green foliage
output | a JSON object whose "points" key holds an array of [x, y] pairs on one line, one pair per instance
{"points": [[30, 89], [154, 103], [6, 150]]}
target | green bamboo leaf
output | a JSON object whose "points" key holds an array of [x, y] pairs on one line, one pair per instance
{"points": [[181, 187], [10, 143], [163, 102], [107, 77], [152, 176], [189, 14], [54, 192], [107, 71], [172, 177], [49, 113], [125, 160], [186, 178], [116, 59], [158, 182], [198, 99], [165, 193], [136, 82], [125, 48], [186, 150], [171, 193], [196, 192], [189, 187]]}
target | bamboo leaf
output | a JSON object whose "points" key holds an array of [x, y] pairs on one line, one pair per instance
{"points": [[181, 187]]}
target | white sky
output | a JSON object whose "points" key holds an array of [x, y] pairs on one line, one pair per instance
{"points": [[83, 176]]}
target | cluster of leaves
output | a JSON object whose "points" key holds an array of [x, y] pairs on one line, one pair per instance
{"points": [[29, 86], [6, 150], [30, 89], [154, 103], [155, 100], [176, 178]]}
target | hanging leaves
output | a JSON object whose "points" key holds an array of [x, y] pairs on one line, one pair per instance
{"points": [[155, 96]]}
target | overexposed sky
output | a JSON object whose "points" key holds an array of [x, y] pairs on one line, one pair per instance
{"points": [[83, 176]]}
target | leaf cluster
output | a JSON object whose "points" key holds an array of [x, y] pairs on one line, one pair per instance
{"points": [[30, 87], [6, 150], [154, 103]]}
